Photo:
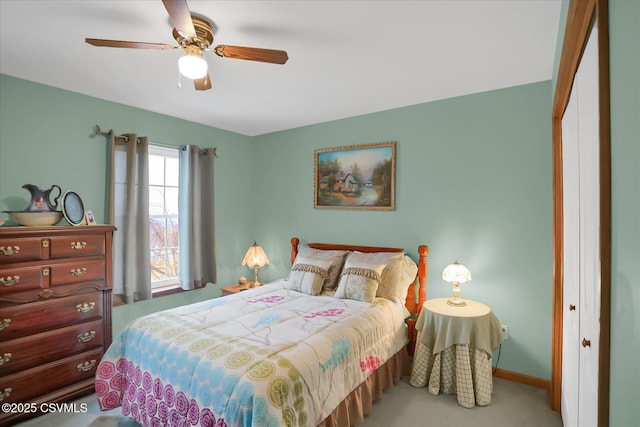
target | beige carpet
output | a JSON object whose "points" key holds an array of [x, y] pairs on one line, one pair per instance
{"points": [[512, 405]]}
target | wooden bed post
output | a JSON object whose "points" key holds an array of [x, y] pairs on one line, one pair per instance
{"points": [[294, 248], [423, 268], [412, 305]]}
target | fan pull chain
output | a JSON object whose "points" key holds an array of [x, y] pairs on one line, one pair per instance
{"points": [[179, 80]]}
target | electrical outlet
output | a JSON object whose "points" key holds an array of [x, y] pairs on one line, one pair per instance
{"points": [[505, 331]]}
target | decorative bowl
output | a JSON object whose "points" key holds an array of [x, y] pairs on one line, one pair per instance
{"points": [[35, 218]]}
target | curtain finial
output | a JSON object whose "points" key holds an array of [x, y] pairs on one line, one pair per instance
{"points": [[97, 131]]}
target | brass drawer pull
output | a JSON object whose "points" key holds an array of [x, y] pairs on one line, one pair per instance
{"points": [[5, 393], [45, 243], [5, 358], [572, 307], [9, 250], [45, 293], [86, 366], [586, 342], [77, 272], [78, 245], [9, 281], [4, 324], [83, 308], [87, 336]]}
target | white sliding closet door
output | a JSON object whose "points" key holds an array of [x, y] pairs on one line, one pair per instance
{"points": [[571, 270], [581, 223], [589, 120]]}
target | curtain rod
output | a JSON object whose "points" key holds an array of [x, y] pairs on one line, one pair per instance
{"points": [[98, 131], [203, 151]]}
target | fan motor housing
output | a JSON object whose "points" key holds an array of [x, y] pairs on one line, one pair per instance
{"points": [[204, 34]]}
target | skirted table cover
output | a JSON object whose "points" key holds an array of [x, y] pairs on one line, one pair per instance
{"points": [[453, 350]]}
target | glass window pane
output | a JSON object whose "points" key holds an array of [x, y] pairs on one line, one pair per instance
{"points": [[173, 260], [172, 232], [171, 173], [157, 233], [156, 201], [163, 211], [156, 170], [158, 267], [171, 200]]}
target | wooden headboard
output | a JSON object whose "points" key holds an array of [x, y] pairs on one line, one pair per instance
{"points": [[413, 305]]}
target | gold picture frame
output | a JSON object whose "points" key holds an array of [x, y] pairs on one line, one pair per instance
{"points": [[360, 177]]}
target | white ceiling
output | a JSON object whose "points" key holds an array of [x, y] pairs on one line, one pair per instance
{"points": [[346, 58]]}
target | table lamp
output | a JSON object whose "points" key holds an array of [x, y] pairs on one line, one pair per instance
{"points": [[456, 273], [255, 258]]}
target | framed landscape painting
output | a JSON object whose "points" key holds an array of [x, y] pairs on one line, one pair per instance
{"points": [[355, 177]]}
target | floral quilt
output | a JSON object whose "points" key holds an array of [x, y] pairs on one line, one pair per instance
{"points": [[267, 356]]}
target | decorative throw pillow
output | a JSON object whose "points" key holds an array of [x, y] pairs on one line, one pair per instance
{"points": [[390, 277], [335, 257], [308, 275], [359, 281]]}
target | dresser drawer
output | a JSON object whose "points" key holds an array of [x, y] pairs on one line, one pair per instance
{"points": [[77, 271], [19, 249], [17, 355], [14, 280], [27, 319], [77, 245], [27, 385]]}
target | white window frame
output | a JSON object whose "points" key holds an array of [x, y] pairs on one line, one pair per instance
{"points": [[172, 282]]}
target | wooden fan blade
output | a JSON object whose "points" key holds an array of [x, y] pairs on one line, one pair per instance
{"points": [[180, 17], [252, 54], [203, 83], [128, 44]]}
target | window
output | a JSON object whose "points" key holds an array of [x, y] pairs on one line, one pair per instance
{"points": [[163, 217]]}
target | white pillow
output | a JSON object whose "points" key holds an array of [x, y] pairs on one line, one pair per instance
{"points": [[359, 280], [390, 277], [336, 258], [308, 275], [407, 277]]}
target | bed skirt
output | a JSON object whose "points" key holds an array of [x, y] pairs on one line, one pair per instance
{"points": [[359, 403]]}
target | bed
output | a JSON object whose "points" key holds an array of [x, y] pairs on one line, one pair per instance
{"points": [[313, 349]]}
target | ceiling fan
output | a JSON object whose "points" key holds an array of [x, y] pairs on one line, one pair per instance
{"points": [[194, 35]]}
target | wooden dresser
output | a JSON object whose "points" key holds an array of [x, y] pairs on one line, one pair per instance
{"points": [[55, 312]]}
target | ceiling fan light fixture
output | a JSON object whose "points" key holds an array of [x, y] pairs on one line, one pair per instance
{"points": [[192, 65]]}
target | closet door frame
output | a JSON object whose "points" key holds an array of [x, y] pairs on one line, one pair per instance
{"points": [[580, 18]]}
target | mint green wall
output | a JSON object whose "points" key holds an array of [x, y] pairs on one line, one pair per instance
{"points": [[473, 182], [45, 139], [624, 65], [624, 51]]}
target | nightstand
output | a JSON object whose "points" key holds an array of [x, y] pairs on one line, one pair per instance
{"points": [[234, 289], [453, 350]]}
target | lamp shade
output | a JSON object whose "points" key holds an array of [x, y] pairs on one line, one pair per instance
{"points": [[456, 273], [192, 65], [255, 257]]}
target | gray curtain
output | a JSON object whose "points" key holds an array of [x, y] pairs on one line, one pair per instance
{"points": [[195, 206], [129, 212]]}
